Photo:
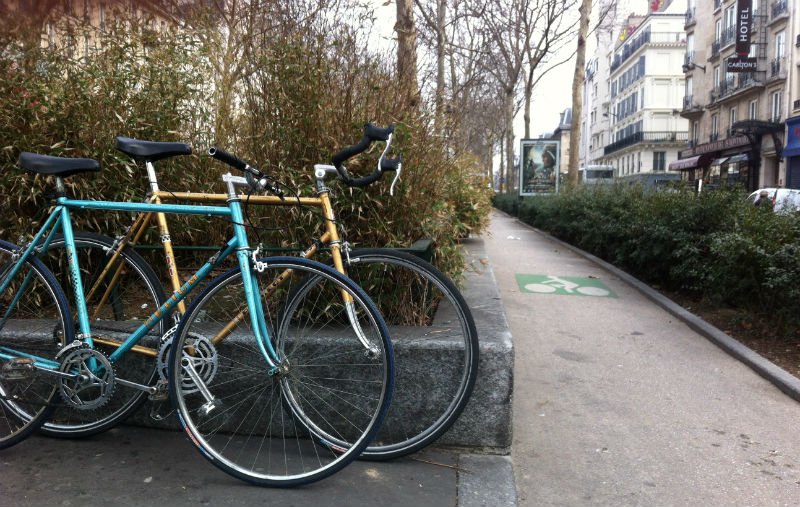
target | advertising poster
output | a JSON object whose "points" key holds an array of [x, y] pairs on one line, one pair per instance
{"points": [[540, 163]]}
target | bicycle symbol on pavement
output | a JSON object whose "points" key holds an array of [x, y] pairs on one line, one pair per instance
{"points": [[563, 285]]}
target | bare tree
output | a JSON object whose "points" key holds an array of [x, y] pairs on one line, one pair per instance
{"points": [[552, 30], [407, 53], [607, 10]]}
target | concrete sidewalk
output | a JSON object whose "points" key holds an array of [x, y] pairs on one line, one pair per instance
{"points": [[618, 402]]}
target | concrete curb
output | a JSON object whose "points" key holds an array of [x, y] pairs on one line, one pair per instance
{"points": [[782, 379]]}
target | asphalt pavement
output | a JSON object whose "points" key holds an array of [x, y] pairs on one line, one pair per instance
{"points": [[618, 400]]}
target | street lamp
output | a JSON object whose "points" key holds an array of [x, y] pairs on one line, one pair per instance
{"points": [[690, 66]]}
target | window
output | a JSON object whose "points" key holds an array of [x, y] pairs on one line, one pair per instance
{"points": [[776, 107], [752, 110], [696, 132], [639, 162], [659, 161], [730, 17], [717, 75], [780, 44], [718, 30], [731, 117], [714, 126]]}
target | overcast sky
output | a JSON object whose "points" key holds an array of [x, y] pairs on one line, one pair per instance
{"points": [[551, 96]]}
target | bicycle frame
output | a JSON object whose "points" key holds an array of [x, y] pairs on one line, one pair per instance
{"points": [[140, 225], [59, 219]]}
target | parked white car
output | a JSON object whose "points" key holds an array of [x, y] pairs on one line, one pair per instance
{"points": [[783, 199]]}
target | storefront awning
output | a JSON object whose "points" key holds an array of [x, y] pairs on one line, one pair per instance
{"points": [[720, 161], [792, 148], [741, 157], [685, 164]]}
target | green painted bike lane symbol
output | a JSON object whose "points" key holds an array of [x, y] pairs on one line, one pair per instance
{"points": [[563, 285]]}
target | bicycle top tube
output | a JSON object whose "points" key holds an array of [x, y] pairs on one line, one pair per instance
{"points": [[184, 209]]}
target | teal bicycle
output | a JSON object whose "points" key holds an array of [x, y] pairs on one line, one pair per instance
{"points": [[292, 394]]}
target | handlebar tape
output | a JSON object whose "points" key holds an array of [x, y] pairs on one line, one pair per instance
{"points": [[371, 133], [227, 158], [391, 164]]}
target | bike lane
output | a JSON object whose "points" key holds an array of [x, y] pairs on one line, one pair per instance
{"points": [[617, 402]]}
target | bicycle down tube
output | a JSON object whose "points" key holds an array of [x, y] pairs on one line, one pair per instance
{"points": [[60, 219]]}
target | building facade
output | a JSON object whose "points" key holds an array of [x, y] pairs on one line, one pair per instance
{"points": [[738, 113], [634, 90]]}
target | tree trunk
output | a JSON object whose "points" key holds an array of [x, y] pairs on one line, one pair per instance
{"points": [[509, 103], [441, 15], [577, 94], [407, 53], [528, 100]]}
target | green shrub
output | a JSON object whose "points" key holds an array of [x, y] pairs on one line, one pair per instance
{"points": [[715, 245], [305, 96]]}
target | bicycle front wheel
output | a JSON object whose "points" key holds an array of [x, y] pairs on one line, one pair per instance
{"points": [[120, 295], [435, 344], [35, 324], [264, 423]]}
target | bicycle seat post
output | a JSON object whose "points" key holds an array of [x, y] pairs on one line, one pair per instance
{"points": [[151, 177]]}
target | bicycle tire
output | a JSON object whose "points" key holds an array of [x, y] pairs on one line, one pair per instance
{"points": [[435, 344], [132, 298], [38, 324], [256, 426]]}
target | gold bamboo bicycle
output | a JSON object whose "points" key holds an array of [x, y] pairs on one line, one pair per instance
{"points": [[436, 344]]}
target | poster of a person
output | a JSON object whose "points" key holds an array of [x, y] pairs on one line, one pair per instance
{"points": [[539, 174]]}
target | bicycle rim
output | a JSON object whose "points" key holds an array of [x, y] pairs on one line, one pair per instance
{"points": [[264, 426], [34, 323], [435, 343]]}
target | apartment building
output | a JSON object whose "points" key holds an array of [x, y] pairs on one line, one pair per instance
{"points": [[738, 106], [596, 125], [635, 88]]}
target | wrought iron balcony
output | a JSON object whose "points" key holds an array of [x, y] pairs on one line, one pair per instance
{"points": [[688, 57], [728, 36], [691, 17], [777, 67], [715, 47], [780, 8], [647, 137]]}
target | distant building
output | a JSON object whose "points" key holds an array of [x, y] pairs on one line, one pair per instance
{"points": [[737, 131]]}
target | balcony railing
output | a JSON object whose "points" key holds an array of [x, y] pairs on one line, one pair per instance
{"points": [[717, 4], [715, 47], [647, 137], [777, 67], [741, 81], [713, 137], [646, 37], [688, 57], [796, 105], [691, 17], [780, 8], [689, 104], [728, 36]]}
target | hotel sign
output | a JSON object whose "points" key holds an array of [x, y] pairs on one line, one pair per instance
{"points": [[724, 144], [743, 25], [741, 64]]}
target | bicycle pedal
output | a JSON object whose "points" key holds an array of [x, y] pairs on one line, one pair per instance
{"points": [[21, 368]]}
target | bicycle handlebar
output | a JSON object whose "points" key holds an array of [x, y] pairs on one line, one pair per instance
{"points": [[255, 178], [371, 133]]}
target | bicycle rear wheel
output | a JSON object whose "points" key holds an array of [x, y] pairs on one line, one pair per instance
{"points": [[435, 344], [119, 298], [35, 324], [261, 424]]}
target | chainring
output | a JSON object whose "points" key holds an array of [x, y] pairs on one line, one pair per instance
{"points": [[203, 356], [94, 384]]}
